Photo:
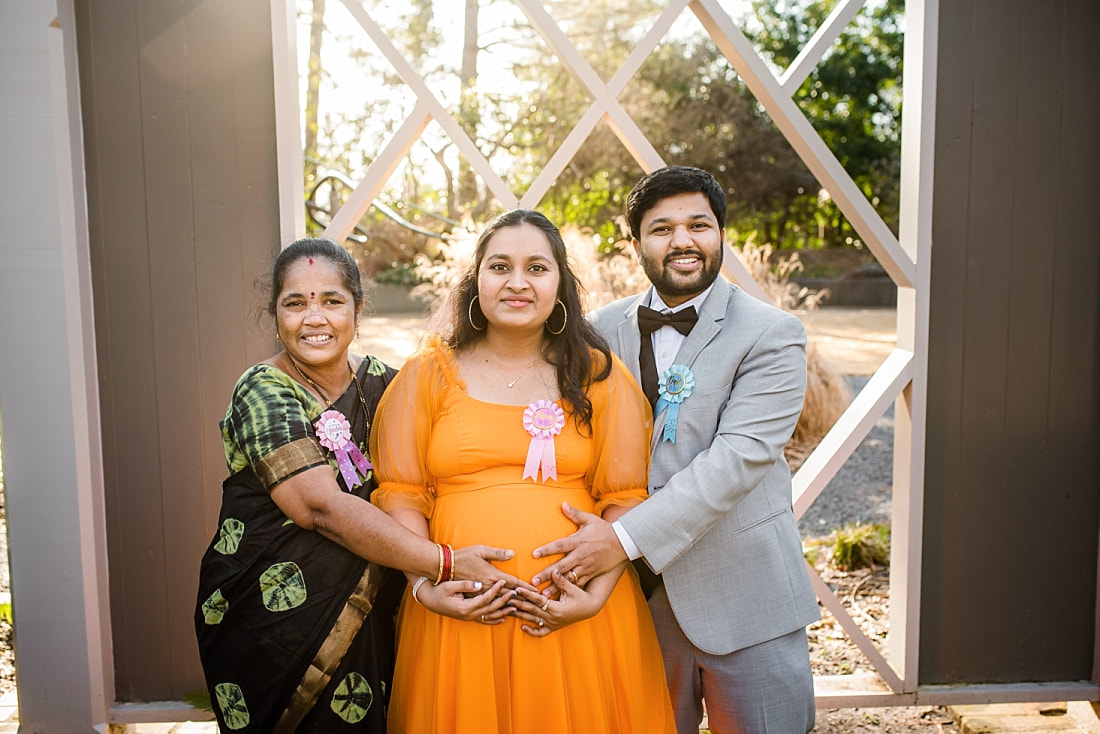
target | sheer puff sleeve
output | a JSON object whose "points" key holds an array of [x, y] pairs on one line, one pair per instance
{"points": [[622, 421], [402, 430]]}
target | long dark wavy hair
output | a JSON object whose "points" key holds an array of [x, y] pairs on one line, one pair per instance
{"points": [[571, 351]]}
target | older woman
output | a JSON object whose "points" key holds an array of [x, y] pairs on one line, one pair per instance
{"points": [[295, 605], [518, 408]]}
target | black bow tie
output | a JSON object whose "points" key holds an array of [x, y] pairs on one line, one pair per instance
{"points": [[649, 320]]}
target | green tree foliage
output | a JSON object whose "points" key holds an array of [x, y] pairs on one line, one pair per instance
{"points": [[853, 97], [686, 98]]}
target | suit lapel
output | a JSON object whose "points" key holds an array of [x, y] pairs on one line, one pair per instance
{"points": [[630, 341], [711, 315]]}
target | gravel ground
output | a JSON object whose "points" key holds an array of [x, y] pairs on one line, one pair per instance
{"points": [[860, 493]]}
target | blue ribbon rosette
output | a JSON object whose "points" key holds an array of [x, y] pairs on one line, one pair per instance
{"points": [[674, 387]]}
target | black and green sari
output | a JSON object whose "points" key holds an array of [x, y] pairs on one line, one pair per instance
{"points": [[295, 632]]}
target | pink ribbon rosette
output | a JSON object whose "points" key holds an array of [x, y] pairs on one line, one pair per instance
{"points": [[543, 420], [334, 433]]}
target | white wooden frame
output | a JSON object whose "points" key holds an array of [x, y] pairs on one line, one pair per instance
{"points": [[901, 379]]}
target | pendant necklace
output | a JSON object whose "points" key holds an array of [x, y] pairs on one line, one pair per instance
{"points": [[512, 383], [358, 389]]}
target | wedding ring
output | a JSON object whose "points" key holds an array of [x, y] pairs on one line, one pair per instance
{"points": [[483, 619], [573, 574], [542, 622], [544, 606]]}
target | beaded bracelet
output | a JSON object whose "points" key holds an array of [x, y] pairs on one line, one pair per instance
{"points": [[416, 587]]}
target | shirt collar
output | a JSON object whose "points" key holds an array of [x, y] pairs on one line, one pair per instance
{"points": [[658, 304]]}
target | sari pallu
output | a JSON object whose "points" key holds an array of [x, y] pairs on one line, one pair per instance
{"points": [[295, 632]]}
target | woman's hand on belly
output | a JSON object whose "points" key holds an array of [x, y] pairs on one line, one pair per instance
{"points": [[573, 604], [474, 563], [461, 600]]}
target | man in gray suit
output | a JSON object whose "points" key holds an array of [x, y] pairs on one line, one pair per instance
{"points": [[717, 537]]}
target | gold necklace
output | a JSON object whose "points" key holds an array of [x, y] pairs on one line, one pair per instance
{"points": [[526, 369], [354, 378]]}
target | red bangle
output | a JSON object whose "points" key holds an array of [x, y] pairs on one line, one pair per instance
{"points": [[448, 563]]}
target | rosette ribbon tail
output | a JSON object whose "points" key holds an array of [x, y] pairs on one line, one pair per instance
{"points": [[349, 459], [540, 454], [672, 416], [347, 469]]}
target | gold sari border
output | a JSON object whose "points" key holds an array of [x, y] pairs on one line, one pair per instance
{"points": [[332, 650], [288, 460]]}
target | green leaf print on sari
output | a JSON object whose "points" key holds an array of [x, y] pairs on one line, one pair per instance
{"points": [[229, 537], [283, 586], [352, 699], [376, 367], [232, 705], [215, 607]]}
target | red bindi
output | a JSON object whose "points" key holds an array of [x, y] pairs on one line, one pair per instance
{"points": [[311, 261], [312, 294]]}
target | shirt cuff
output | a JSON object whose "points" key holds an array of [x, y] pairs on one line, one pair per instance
{"points": [[631, 549]]}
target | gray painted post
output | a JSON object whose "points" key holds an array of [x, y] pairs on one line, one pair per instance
{"points": [[48, 397]]}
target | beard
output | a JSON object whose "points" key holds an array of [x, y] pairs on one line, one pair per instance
{"points": [[669, 282]]}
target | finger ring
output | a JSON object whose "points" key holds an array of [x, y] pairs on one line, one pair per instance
{"points": [[541, 621], [483, 619], [573, 574], [544, 606]]}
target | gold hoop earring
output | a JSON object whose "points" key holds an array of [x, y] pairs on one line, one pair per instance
{"points": [[564, 318], [470, 314]]}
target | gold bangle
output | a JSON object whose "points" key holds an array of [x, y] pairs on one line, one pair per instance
{"points": [[439, 575]]}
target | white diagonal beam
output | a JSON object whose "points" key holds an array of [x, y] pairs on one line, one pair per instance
{"points": [[438, 112], [620, 122], [379, 172], [618, 119], [805, 141], [814, 51], [598, 109], [565, 152], [736, 271], [646, 46], [854, 631], [850, 429]]}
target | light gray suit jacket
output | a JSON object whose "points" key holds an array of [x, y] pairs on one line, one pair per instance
{"points": [[718, 524]]}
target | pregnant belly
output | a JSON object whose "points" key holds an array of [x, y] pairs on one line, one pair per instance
{"points": [[520, 517]]}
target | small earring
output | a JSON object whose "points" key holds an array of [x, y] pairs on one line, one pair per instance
{"points": [[564, 318], [470, 314], [356, 329], [277, 339]]}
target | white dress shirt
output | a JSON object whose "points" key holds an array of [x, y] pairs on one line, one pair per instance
{"points": [[666, 344]]}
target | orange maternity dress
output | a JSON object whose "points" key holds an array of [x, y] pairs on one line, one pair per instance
{"points": [[460, 461]]}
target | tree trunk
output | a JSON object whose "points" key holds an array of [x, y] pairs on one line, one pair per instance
{"points": [[468, 115], [313, 92]]}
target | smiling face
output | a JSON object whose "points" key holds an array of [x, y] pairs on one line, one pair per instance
{"points": [[517, 280], [315, 313], [680, 246]]}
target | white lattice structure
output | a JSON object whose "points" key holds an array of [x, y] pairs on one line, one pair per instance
{"points": [[902, 378]]}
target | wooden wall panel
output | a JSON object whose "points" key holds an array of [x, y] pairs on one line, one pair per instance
{"points": [[1012, 503], [179, 127]]}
